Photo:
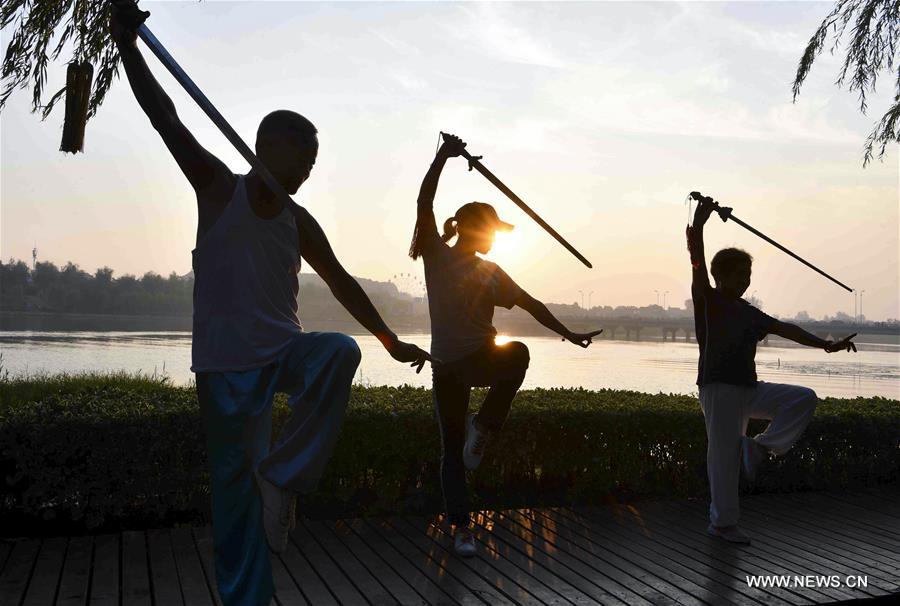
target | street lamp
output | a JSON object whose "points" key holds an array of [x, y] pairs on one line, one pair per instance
{"points": [[582, 298], [664, 299], [859, 320]]}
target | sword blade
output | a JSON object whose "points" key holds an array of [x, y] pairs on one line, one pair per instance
{"points": [[779, 246], [521, 204]]}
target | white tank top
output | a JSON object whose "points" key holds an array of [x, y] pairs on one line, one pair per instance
{"points": [[245, 288]]}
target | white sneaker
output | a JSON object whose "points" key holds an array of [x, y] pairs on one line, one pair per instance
{"points": [[752, 454], [464, 543], [279, 513], [732, 534], [476, 441]]}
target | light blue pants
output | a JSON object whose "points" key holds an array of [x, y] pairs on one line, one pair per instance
{"points": [[727, 408], [316, 371]]}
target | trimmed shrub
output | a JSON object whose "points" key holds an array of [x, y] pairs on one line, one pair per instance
{"points": [[116, 451]]}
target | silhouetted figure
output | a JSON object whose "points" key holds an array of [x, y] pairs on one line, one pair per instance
{"points": [[463, 290], [247, 340], [728, 329]]}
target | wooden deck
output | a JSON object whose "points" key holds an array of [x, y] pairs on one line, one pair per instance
{"points": [[648, 553]]}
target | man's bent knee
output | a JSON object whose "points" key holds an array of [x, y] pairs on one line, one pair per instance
{"points": [[807, 398], [346, 350]]}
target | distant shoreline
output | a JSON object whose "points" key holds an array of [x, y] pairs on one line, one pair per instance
{"points": [[71, 322]]}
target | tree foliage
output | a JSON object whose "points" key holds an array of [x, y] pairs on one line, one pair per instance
{"points": [[872, 48], [43, 30]]}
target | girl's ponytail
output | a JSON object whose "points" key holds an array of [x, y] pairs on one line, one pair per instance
{"points": [[450, 229]]}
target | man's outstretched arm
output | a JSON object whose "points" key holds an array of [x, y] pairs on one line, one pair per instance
{"points": [[798, 335], [198, 165], [315, 248]]}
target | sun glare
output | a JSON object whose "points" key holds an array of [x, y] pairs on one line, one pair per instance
{"points": [[502, 339], [506, 245]]}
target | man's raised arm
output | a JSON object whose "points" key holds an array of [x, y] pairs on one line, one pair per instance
{"points": [[700, 279], [198, 165]]}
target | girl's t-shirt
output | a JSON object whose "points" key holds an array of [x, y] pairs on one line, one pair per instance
{"points": [[462, 293]]}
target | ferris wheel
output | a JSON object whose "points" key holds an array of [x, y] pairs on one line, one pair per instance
{"points": [[410, 284]]}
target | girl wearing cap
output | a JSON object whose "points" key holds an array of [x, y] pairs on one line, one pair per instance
{"points": [[463, 290]]}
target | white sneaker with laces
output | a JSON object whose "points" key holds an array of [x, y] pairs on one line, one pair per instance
{"points": [[279, 513], [752, 454], [476, 441], [464, 543], [732, 534]]}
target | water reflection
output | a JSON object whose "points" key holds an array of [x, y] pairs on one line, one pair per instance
{"points": [[641, 366]]}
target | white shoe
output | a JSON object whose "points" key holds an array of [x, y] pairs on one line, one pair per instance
{"points": [[279, 513], [732, 534], [476, 441], [464, 543], [752, 454]]}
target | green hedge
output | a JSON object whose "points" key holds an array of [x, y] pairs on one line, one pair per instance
{"points": [[107, 451]]}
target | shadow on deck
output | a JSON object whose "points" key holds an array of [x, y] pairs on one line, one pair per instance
{"points": [[827, 547]]}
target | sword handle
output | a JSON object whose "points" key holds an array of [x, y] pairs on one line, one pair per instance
{"points": [[724, 211]]}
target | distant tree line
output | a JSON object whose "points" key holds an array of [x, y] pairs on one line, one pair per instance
{"points": [[73, 290], [70, 289]]}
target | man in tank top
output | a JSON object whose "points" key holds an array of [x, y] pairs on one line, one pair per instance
{"points": [[247, 339]]}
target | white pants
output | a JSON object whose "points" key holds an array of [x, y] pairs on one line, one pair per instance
{"points": [[727, 408]]}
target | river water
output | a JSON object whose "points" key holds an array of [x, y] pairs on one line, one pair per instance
{"points": [[642, 366]]}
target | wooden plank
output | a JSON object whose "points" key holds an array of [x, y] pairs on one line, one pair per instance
{"points": [[343, 587], [76, 573], [821, 536], [777, 543], [135, 573], [286, 591], [691, 540], [516, 552], [826, 535], [105, 571], [630, 574], [304, 577], [878, 525], [606, 577], [733, 588], [163, 570], [46, 574], [695, 514], [6, 547], [884, 502], [17, 572], [573, 573], [203, 538], [431, 592], [645, 550], [367, 584], [430, 568], [780, 544], [489, 563], [400, 591], [884, 516], [475, 572], [194, 589]]}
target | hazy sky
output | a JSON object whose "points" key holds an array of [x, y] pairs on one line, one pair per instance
{"points": [[602, 116]]}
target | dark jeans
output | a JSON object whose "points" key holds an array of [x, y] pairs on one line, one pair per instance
{"points": [[502, 368]]}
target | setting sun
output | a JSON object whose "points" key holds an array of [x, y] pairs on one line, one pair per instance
{"points": [[506, 246]]}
